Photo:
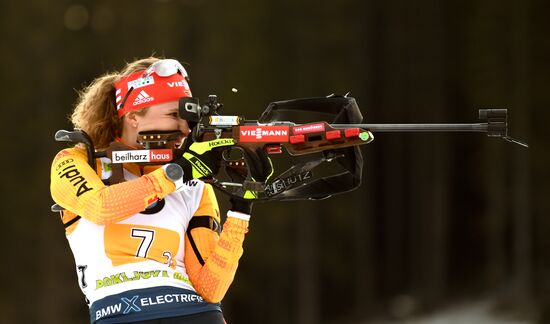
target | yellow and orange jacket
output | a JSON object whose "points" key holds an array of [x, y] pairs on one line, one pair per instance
{"points": [[131, 235]]}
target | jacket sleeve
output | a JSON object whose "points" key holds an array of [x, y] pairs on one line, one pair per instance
{"points": [[221, 253], [75, 186]]}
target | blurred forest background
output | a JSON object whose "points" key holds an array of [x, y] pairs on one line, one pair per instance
{"points": [[441, 220]]}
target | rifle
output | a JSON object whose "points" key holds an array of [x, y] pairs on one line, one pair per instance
{"points": [[334, 137]]}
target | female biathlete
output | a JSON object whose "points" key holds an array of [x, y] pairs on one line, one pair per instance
{"points": [[149, 249]]}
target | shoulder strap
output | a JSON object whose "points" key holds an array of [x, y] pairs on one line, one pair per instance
{"points": [[72, 221]]}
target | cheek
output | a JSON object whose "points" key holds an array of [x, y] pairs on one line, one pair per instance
{"points": [[158, 124]]}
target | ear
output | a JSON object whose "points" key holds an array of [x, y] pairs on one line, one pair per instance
{"points": [[131, 119]]}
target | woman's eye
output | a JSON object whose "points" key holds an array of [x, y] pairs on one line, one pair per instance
{"points": [[174, 114]]}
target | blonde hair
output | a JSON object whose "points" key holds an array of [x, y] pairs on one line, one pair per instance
{"points": [[95, 111]]}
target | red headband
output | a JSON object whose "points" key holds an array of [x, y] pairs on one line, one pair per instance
{"points": [[139, 90]]}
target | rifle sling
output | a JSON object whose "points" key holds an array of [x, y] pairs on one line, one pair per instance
{"points": [[201, 221]]}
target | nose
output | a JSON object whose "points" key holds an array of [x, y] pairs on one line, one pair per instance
{"points": [[184, 127]]}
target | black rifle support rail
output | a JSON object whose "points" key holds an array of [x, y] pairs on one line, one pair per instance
{"points": [[495, 125]]}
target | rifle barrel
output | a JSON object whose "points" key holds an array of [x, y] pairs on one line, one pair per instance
{"points": [[475, 127]]}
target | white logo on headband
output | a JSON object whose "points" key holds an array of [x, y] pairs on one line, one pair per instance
{"points": [[178, 84], [141, 82], [143, 97]]}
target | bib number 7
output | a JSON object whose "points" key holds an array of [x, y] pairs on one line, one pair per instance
{"points": [[147, 237]]}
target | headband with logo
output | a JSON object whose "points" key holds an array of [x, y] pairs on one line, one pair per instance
{"points": [[151, 87]]}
